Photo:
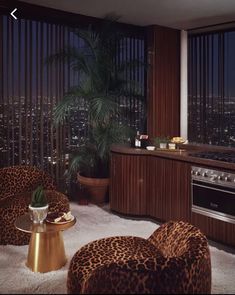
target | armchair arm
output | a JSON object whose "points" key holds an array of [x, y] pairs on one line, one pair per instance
{"points": [[132, 277], [151, 276]]}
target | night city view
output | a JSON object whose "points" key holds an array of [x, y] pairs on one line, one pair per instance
{"points": [[211, 98], [31, 88]]}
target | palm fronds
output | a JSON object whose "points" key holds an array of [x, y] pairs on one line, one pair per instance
{"points": [[101, 84], [102, 108]]}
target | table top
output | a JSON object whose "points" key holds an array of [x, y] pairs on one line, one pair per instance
{"points": [[24, 224]]}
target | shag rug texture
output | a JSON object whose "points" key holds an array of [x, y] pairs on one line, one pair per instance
{"points": [[93, 223]]}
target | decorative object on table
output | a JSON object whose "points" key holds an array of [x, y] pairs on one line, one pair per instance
{"points": [[150, 147], [144, 140], [38, 207], [100, 89], [175, 259], [178, 139], [59, 217], [16, 185], [171, 146], [137, 140], [141, 140], [161, 142]]}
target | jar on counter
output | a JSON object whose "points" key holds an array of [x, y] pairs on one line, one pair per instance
{"points": [[171, 146]]}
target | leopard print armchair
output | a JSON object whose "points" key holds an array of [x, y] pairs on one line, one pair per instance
{"points": [[174, 260], [16, 186]]}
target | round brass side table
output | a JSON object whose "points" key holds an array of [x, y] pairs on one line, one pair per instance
{"points": [[46, 247]]}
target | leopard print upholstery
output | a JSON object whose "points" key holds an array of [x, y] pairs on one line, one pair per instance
{"points": [[174, 260], [14, 203], [22, 178]]}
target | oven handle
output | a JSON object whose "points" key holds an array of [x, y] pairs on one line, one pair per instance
{"points": [[212, 188]]}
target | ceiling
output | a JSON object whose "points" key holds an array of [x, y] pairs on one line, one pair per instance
{"points": [[179, 14]]}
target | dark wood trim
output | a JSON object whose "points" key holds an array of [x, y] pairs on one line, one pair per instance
{"points": [[163, 81]]}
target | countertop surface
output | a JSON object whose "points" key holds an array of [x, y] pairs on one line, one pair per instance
{"points": [[184, 153]]}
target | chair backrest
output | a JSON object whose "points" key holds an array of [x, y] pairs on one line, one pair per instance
{"points": [[174, 238], [187, 251], [22, 178]]}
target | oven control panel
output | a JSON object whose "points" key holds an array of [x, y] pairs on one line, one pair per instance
{"points": [[213, 176]]}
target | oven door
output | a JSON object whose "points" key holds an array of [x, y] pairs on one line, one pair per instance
{"points": [[213, 200]]}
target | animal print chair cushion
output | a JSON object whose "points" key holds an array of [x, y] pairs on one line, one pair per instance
{"points": [[131, 265], [22, 178], [16, 186]]}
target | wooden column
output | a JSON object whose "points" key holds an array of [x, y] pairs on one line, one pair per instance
{"points": [[163, 82]]}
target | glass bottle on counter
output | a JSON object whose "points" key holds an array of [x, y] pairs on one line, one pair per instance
{"points": [[137, 140]]}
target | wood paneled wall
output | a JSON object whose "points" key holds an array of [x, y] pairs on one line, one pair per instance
{"points": [[163, 81]]}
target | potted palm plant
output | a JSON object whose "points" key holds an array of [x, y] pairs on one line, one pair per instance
{"points": [[100, 85]]}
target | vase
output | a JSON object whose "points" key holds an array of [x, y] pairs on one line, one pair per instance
{"points": [[38, 214]]}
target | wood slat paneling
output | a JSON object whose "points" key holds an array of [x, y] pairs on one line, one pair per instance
{"points": [[169, 189], [128, 187], [163, 81], [217, 230], [158, 187], [151, 186], [176, 202]]}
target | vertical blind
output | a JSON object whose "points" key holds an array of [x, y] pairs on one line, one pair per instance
{"points": [[211, 88], [30, 89]]}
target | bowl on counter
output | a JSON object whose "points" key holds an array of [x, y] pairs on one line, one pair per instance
{"points": [[150, 147]]}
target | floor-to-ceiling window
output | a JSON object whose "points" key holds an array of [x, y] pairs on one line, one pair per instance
{"points": [[30, 88], [211, 88]]}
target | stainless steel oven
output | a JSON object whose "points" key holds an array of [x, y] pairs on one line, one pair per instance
{"points": [[213, 193]]}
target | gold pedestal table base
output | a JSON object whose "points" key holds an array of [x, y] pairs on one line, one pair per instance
{"points": [[46, 248]]}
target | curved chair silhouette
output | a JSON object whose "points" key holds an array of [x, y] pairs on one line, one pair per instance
{"points": [[174, 260], [16, 186]]}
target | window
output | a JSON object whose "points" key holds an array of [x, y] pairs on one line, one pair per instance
{"points": [[30, 88], [211, 88]]}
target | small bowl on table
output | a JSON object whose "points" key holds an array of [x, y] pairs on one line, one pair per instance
{"points": [[150, 147]]}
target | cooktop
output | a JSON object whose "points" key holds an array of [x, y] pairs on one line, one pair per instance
{"points": [[218, 156]]}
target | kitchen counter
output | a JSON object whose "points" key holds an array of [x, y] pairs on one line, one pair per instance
{"points": [[183, 154], [157, 184]]}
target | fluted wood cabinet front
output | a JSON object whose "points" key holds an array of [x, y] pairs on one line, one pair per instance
{"points": [[169, 189], [150, 186], [128, 184], [159, 186]]}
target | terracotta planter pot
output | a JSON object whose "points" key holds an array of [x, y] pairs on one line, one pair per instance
{"points": [[95, 188]]}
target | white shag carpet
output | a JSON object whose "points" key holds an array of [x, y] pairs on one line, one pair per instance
{"points": [[94, 223]]}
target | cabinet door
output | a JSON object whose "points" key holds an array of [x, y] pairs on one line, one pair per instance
{"points": [[128, 187], [177, 200], [169, 189], [157, 187]]}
